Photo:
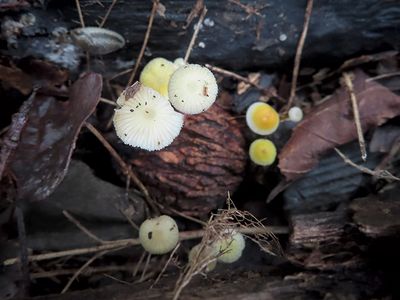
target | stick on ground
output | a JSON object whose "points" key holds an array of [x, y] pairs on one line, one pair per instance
{"points": [[145, 41], [195, 34], [349, 86], [299, 51]]}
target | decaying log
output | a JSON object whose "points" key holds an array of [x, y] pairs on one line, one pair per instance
{"points": [[307, 286], [232, 37], [201, 166], [377, 216], [325, 241]]}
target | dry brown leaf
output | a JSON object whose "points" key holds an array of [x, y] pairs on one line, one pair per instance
{"points": [[331, 124], [43, 147]]}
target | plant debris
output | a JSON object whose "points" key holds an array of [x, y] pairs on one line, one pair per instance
{"points": [[331, 124], [40, 160]]}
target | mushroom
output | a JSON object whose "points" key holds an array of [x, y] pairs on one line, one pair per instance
{"points": [[156, 74], [207, 253], [262, 118], [179, 62], [159, 235], [295, 114], [146, 119], [230, 246], [262, 152], [192, 89]]}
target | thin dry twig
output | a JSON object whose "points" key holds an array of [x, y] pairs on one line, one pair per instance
{"points": [[299, 51], [145, 41], [166, 265], [79, 251], [86, 272], [103, 21], [250, 10], [196, 9], [146, 265], [174, 211], [110, 102], [356, 113], [78, 7], [382, 76], [232, 75], [195, 34], [126, 169], [124, 243], [80, 270], [382, 174], [82, 228], [139, 263]]}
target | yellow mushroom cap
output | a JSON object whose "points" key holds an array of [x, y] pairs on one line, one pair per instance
{"points": [[159, 235], [156, 74], [262, 152], [192, 89], [146, 119], [262, 118], [207, 253], [231, 246]]}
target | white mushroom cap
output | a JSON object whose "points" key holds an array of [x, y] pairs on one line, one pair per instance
{"points": [[295, 114], [192, 89], [146, 119]]}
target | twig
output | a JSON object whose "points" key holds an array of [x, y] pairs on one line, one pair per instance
{"points": [[146, 265], [195, 33], [382, 76], [233, 75], [146, 39], [116, 279], [103, 21], [23, 251], [110, 245], [126, 169], [121, 73], [349, 85], [84, 266], [382, 174], [137, 267], [134, 226], [104, 100], [87, 271], [82, 228], [299, 51], [166, 265], [79, 251], [250, 10], [78, 7], [186, 216]]}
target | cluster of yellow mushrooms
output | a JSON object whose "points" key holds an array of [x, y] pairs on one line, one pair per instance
{"points": [[263, 119], [150, 113], [161, 235]]}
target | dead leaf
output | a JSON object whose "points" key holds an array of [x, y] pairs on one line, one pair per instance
{"points": [[17, 79], [331, 124], [41, 156]]}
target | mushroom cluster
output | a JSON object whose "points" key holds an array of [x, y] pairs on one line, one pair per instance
{"points": [[150, 112], [262, 119]]}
